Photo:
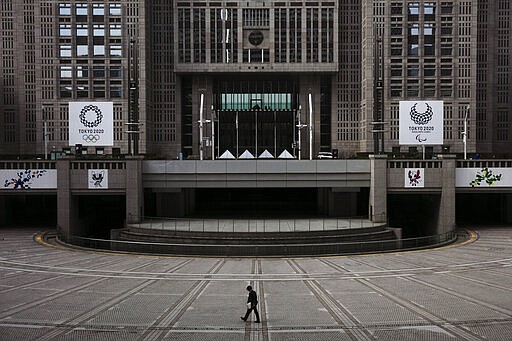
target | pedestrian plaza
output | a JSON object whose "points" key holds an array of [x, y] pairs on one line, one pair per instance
{"points": [[458, 292]]}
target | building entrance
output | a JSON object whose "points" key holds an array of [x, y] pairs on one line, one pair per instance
{"points": [[257, 116], [255, 131]]}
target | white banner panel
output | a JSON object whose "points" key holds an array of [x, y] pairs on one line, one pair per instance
{"points": [[98, 178], [483, 177], [421, 122], [28, 179], [414, 177], [91, 123]]}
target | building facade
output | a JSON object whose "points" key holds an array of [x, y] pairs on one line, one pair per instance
{"points": [[255, 76]]}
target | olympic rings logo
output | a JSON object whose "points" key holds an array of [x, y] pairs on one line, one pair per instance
{"points": [[91, 108], [91, 138]]}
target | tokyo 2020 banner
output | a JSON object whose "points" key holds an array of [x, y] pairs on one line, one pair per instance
{"points": [[421, 122], [91, 123]]}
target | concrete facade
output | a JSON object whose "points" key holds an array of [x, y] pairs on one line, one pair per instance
{"points": [[455, 51]]}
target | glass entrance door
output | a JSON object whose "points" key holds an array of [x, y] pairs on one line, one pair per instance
{"points": [[255, 131]]}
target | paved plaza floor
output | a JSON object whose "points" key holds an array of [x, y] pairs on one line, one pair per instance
{"points": [[461, 292]]}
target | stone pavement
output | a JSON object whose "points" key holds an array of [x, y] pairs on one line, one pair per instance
{"points": [[461, 292]]}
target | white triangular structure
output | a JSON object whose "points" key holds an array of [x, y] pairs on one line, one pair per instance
{"points": [[266, 155], [285, 155], [246, 155], [227, 155]]}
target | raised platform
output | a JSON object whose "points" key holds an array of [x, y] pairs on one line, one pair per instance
{"points": [[254, 237]]}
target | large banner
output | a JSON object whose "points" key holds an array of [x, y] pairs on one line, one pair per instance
{"points": [[483, 177], [421, 122], [28, 179], [91, 123]]}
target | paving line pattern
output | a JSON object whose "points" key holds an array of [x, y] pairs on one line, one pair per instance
{"points": [[458, 292]]}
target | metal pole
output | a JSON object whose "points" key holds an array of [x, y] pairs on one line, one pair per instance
{"points": [[256, 131], [300, 135], [465, 132], [310, 127], [236, 123], [213, 134], [201, 128], [45, 133], [275, 134]]}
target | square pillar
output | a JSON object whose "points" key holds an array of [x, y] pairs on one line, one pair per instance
{"points": [[64, 206], [446, 218], [134, 191], [378, 188]]}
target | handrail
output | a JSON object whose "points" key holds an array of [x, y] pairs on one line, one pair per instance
{"points": [[224, 250], [254, 224]]}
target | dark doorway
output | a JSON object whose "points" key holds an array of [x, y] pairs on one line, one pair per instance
{"points": [[98, 214], [416, 214], [483, 209], [256, 202], [35, 210]]}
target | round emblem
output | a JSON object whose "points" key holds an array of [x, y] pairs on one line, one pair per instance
{"points": [[94, 110], [421, 118], [256, 38]]}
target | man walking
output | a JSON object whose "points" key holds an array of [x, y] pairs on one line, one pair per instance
{"points": [[252, 302]]}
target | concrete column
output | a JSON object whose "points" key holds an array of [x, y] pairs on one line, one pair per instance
{"points": [[446, 219], [378, 189], [3, 209], [134, 191], [64, 207]]}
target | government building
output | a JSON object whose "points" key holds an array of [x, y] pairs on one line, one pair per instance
{"points": [[260, 67], [205, 86]]}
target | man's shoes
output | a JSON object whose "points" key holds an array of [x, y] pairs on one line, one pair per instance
{"points": [[256, 321], [243, 319]]}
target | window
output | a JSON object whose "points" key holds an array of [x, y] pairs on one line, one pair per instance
{"points": [[82, 50], [396, 8], [115, 91], [413, 49], [82, 30], [115, 9], [429, 9], [396, 71], [82, 71], [98, 9], [98, 71], [414, 30], [115, 72], [81, 9], [99, 91], [65, 30], [99, 50], [65, 91], [82, 91], [413, 71], [446, 71], [429, 71], [65, 51], [115, 30], [428, 30], [116, 50], [413, 9], [65, 71], [64, 9], [99, 30]]}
